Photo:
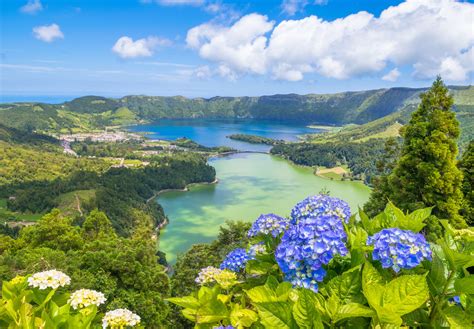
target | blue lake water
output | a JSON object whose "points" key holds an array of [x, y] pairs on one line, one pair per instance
{"points": [[214, 132]]}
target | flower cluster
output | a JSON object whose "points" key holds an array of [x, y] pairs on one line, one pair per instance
{"points": [[120, 318], [257, 249], [207, 275], [236, 260], [308, 245], [224, 278], [321, 204], [399, 249], [49, 279], [268, 224], [85, 297], [224, 327]]}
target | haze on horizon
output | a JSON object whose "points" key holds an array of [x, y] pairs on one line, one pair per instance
{"points": [[206, 48]]}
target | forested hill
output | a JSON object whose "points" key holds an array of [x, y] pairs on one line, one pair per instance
{"points": [[342, 108]]}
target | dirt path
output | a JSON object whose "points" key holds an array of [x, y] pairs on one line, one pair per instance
{"points": [[78, 203]]}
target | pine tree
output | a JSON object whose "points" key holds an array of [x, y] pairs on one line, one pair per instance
{"points": [[467, 167], [426, 174]]}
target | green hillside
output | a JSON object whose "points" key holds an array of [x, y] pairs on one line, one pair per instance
{"points": [[94, 112]]}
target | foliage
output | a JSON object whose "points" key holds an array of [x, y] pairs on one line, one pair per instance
{"points": [[25, 304], [361, 158], [125, 270], [357, 290], [426, 173], [253, 139], [467, 167]]}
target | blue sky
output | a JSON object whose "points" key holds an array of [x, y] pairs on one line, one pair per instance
{"points": [[208, 48]]}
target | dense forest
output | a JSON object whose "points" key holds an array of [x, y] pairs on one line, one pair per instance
{"points": [[253, 139]]}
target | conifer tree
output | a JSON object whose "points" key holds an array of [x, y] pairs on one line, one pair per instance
{"points": [[467, 167], [426, 173]]}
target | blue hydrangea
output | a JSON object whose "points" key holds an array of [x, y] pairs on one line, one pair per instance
{"points": [[268, 224], [224, 327], [308, 245], [257, 249], [399, 249], [321, 204], [456, 300], [236, 260]]}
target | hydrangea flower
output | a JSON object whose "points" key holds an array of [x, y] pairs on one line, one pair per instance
{"points": [[49, 279], [268, 224], [257, 249], [224, 327], [399, 249], [207, 275], [86, 297], [321, 204], [236, 260], [210, 274], [456, 300], [120, 318], [308, 245]]}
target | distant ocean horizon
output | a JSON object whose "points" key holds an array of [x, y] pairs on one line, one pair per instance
{"points": [[52, 99]]}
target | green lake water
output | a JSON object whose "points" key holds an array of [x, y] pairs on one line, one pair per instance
{"points": [[249, 185]]}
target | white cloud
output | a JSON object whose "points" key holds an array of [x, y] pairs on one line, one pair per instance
{"points": [[392, 76], [48, 33], [432, 36], [125, 47], [32, 7], [291, 7]]}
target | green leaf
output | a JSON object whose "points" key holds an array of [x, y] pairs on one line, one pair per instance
{"points": [[353, 310], [457, 318], [366, 222], [415, 219], [347, 286], [465, 285], [276, 315], [372, 286], [393, 215], [243, 317], [436, 277], [304, 311], [258, 267], [186, 302], [405, 294]]}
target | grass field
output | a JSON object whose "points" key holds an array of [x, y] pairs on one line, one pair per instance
{"points": [[7, 215], [71, 203], [336, 173]]}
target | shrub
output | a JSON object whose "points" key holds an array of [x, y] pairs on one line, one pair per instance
{"points": [[40, 301], [326, 268]]}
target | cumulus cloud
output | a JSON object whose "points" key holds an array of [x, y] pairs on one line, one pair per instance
{"points": [[48, 33], [392, 76], [32, 7], [125, 47], [431, 36]]}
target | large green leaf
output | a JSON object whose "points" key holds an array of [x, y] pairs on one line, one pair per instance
{"points": [[465, 285], [347, 286], [186, 302], [242, 318], [436, 277], [457, 318], [415, 220], [353, 310], [405, 294], [304, 311], [276, 315], [372, 286]]}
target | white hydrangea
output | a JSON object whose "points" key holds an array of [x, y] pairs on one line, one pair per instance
{"points": [[85, 297], [49, 279], [207, 275], [120, 318]]}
